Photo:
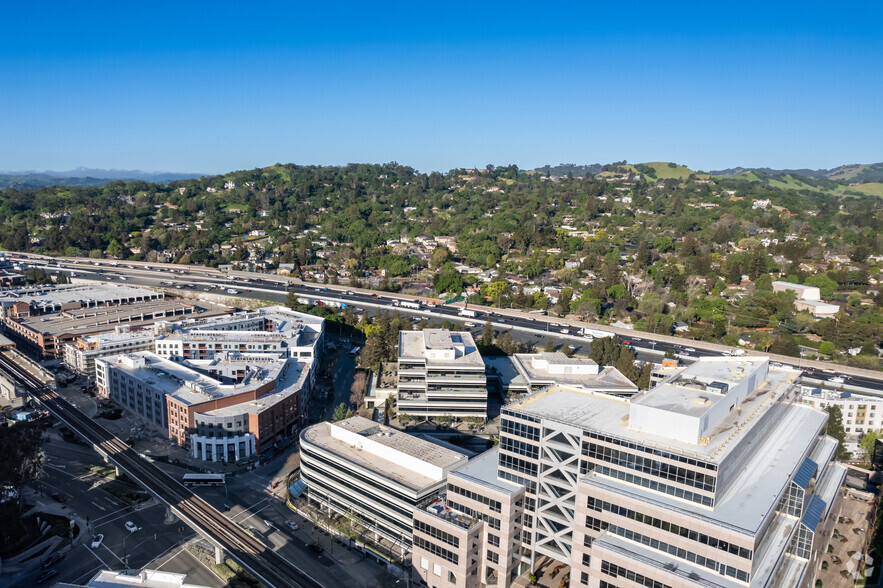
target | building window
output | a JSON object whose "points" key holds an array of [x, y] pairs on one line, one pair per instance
{"points": [[493, 540], [424, 563], [436, 569], [584, 578], [493, 557]]}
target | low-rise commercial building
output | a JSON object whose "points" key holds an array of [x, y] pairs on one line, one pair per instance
{"points": [[441, 373], [529, 372], [225, 409], [381, 474], [803, 292]]}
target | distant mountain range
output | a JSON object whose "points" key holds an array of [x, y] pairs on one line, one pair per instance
{"points": [[856, 172], [83, 176]]}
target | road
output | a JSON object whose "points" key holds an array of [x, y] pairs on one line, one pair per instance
{"points": [[275, 288], [238, 543]]}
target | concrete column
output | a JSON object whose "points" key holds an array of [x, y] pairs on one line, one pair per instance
{"points": [[236, 445], [219, 555], [118, 472]]}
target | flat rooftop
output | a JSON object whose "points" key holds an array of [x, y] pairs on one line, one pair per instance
{"points": [[609, 414], [85, 321], [188, 385], [116, 337], [140, 578], [750, 498], [56, 295], [571, 371], [387, 452], [687, 391], [483, 470], [440, 347]]}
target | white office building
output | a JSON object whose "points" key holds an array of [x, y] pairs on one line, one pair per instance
{"points": [[377, 472], [441, 373]]}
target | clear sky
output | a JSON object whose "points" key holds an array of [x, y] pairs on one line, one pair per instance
{"points": [[215, 86]]}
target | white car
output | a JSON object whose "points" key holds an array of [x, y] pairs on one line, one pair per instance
{"points": [[291, 525], [470, 325], [690, 349], [96, 541], [565, 331], [131, 527]]}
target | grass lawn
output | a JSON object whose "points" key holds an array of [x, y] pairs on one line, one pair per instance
{"points": [[872, 188]]}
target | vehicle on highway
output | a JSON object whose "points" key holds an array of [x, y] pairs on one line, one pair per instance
{"points": [[565, 331], [131, 527], [470, 324], [829, 371], [690, 349], [229, 291], [678, 345], [191, 480], [123, 278], [375, 296], [572, 347], [626, 342], [52, 559], [349, 292], [51, 572], [292, 525], [836, 380], [317, 548], [775, 364], [500, 320], [96, 541], [636, 339]]}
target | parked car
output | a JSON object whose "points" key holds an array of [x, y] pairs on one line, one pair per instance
{"points": [[131, 527], [291, 525], [96, 541]]}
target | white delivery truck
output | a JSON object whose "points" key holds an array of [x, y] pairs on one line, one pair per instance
{"points": [[467, 312], [595, 333], [409, 304]]}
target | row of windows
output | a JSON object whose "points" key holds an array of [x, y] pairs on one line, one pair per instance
{"points": [[595, 524], [521, 466], [657, 486], [651, 450], [520, 430], [531, 485], [520, 447], [650, 466], [603, 505], [391, 500], [620, 572], [437, 533], [494, 505], [678, 552], [493, 523], [493, 557], [436, 550], [524, 417]]}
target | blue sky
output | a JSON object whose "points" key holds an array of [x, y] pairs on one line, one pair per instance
{"points": [[212, 87]]}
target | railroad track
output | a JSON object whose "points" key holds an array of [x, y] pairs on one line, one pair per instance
{"points": [[266, 564]]}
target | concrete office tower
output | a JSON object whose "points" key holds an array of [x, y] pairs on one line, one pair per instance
{"points": [[379, 473], [718, 476], [440, 373]]}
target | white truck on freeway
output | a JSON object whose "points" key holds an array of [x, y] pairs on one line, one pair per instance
{"points": [[467, 312]]}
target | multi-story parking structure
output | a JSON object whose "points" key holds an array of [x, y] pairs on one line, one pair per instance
{"points": [[440, 373], [717, 477], [224, 409], [378, 473]]}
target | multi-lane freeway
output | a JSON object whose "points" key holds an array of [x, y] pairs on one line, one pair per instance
{"points": [[264, 563], [264, 286]]}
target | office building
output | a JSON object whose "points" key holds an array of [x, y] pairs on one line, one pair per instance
{"points": [[529, 372], [716, 477], [440, 373], [381, 474], [224, 409]]}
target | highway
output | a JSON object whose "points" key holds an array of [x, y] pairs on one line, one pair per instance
{"points": [[271, 287], [266, 565]]}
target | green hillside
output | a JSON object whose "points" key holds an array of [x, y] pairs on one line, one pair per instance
{"points": [[663, 170]]}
